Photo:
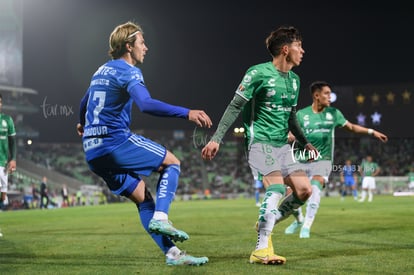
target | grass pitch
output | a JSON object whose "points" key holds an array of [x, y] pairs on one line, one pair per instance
{"points": [[347, 238]]}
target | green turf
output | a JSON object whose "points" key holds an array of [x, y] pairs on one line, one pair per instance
{"points": [[347, 238]]}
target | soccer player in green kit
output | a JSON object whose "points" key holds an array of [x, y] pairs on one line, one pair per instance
{"points": [[267, 97], [410, 176], [318, 122], [369, 170], [7, 152]]}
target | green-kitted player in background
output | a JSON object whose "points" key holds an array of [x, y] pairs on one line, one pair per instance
{"points": [[411, 178], [7, 153], [369, 170], [319, 122]]}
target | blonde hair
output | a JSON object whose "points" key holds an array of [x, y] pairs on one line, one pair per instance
{"points": [[120, 36]]}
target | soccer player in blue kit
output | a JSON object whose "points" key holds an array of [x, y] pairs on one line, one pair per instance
{"points": [[121, 157], [348, 176]]}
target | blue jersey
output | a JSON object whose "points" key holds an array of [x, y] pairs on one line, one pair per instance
{"points": [[107, 105], [108, 112], [349, 170]]}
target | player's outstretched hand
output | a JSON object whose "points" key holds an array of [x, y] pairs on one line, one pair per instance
{"points": [[313, 152], [380, 136], [291, 137], [200, 118], [79, 129], [210, 150], [11, 166]]}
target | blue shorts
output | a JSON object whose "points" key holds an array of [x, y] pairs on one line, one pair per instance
{"points": [[121, 169], [349, 181]]}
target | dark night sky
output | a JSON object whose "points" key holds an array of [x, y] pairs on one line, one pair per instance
{"points": [[199, 50]]}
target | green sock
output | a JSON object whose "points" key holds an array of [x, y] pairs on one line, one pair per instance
{"points": [[289, 204]]}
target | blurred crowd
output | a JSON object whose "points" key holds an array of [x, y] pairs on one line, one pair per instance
{"points": [[227, 174]]}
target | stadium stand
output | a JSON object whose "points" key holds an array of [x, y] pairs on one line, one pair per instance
{"points": [[227, 176]]}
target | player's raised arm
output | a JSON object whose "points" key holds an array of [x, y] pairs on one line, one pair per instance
{"points": [[368, 131], [149, 105]]}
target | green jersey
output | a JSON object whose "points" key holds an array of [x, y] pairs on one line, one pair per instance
{"points": [[270, 96], [368, 168], [6, 130], [411, 177], [319, 129]]}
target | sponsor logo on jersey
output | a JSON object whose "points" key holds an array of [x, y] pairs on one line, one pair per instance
{"points": [[105, 70], [247, 78], [329, 116], [270, 93], [100, 81], [138, 77], [89, 144]]}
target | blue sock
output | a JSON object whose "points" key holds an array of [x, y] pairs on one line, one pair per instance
{"points": [[355, 193], [257, 195], [167, 185], [146, 211]]}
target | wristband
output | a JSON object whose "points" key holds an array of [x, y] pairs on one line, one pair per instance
{"points": [[370, 131]]}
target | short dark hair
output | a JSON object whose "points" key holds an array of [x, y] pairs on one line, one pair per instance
{"points": [[280, 37], [317, 86]]}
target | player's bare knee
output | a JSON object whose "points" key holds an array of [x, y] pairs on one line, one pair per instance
{"points": [[304, 193], [140, 193]]}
